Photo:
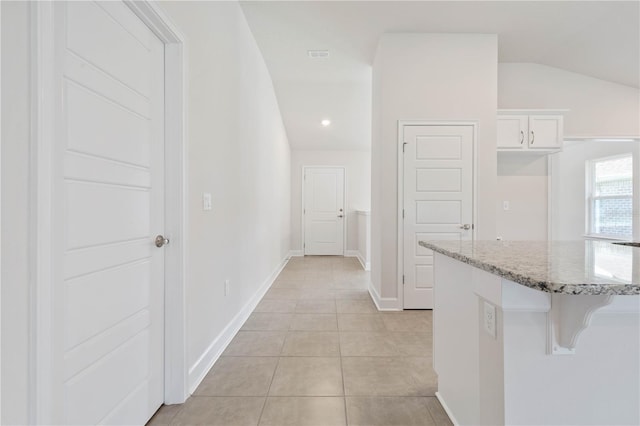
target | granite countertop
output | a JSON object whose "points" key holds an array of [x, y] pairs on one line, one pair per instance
{"points": [[568, 267]]}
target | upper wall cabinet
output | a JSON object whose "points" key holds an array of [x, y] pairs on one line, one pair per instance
{"points": [[536, 132]]}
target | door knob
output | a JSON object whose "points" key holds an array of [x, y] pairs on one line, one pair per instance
{"points": [[161, 241], [466, 226], [340, 215]]}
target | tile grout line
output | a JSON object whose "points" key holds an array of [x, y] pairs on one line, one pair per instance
{"points": [[264, 404], [170, 422], [344, 390], [273, 375], [429, 411]]}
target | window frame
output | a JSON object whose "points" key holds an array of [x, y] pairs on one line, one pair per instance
{"points": [[591, 199]]}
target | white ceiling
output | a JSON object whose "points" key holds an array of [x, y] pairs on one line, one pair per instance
{"points": [[596, 38]]}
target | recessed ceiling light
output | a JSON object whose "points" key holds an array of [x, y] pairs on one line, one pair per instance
{"points": [[325, 122], [318, 54]]}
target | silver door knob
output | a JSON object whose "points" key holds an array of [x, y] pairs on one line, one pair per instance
{"points": [[466, 226], [161, 241]]}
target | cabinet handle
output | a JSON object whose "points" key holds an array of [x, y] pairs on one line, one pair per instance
{"points": [[533, 137], [521, 137]]}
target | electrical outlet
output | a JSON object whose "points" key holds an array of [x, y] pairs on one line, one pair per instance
{"points": [[226, 287], [490, 319], [206, 201], [505, 205]]}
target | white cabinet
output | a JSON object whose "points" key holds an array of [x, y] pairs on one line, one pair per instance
{"points": [[513, 132], [528, 132], [545, 132]]}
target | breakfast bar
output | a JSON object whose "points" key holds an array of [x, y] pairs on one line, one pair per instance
{"points": [[537, 332]]}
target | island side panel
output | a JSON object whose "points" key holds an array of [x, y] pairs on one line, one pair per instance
{"points": [[455, 337], [488, 289], [599, 384]]}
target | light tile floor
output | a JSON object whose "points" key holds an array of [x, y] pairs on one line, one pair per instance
{"points": [[316, 351]]}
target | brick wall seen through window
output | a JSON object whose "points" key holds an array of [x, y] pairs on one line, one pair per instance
{"points": [[611, 197]]}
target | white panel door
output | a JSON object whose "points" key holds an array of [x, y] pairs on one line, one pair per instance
{"points": [[108, 208], [438, 200], [324, 214]]}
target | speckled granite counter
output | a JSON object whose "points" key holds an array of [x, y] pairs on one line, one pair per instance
{"points": [[567, 267]]}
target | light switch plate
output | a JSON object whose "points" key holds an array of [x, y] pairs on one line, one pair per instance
{"points": [[490, 319], [206, 201], [505, 205]]}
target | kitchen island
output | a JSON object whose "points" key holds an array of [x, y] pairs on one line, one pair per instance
{"points": [[537, 333]]}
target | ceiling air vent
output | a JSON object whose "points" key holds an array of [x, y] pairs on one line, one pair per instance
{"points": [[318, 54]]}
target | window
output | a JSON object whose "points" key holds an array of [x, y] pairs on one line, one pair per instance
{"points": [[610, 197]]}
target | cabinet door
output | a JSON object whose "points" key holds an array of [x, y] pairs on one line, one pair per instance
{"points": [[512, 132], [545, 131]]}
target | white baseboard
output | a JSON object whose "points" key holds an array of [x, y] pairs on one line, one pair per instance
{"points": [[355, 253], [384, 303], [296, 253], [202, 366], [351, 253], [365, 265], [446, 409]]}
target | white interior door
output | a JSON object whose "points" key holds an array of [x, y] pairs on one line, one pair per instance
{"points": [[108, 207], [323, 212], [438, 200]]}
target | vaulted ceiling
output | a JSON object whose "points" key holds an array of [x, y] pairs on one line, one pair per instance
{"points": [[600, 39]]}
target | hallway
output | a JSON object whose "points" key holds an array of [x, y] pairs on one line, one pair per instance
{"points": [[316, 351]]}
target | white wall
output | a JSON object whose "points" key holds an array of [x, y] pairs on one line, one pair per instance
{"points": [[568, 185], [598, 107], [428, 77], [357, 166], [15, 211], [238, 151], [523, 182], [364, 238]]}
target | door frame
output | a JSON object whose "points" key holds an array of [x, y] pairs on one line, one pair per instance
{"points": [[42, 303], [401, 125], [344, 203]]}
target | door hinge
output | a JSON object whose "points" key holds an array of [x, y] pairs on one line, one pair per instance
{"points": [[304, 211], [404, 144], [473, 226], [403, 280], [403, 213]]}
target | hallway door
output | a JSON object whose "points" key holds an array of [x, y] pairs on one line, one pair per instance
{"points": [[323, 212], [438, 200], [108, 206]]}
